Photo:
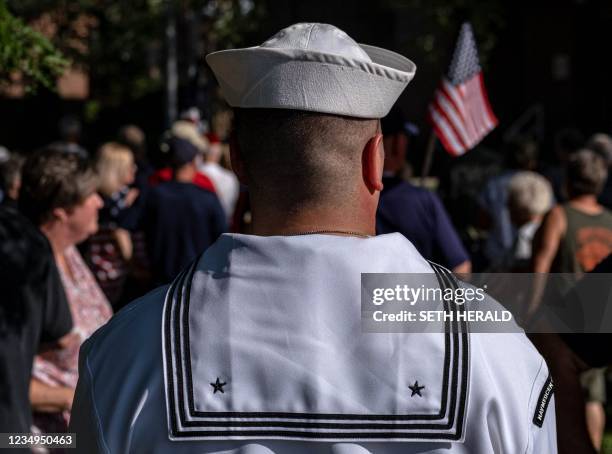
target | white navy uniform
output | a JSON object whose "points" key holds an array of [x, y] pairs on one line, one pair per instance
{"points": [[258, 348]]}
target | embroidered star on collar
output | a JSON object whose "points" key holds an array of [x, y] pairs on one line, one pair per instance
{"points": [[416, 389], [218, 386]]}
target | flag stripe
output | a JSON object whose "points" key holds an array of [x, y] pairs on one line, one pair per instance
{"points": [[477, 108], [472, 107], [453, 94], [448, 92], [445, 133], [452, 118], [469, 126], [486, 102]]}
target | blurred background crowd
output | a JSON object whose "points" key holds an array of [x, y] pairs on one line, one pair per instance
{"points": [[115, 168]]}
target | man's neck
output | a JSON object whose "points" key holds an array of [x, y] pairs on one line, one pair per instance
{"points": [[586, 203], [269, 222], [185, 174]]}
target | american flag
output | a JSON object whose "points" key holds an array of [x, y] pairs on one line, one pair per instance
{"points": [[460, 112]]}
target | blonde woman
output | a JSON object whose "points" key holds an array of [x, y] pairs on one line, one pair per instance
{"points": [[110, 250]]}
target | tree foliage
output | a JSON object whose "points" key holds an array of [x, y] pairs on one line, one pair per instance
{"points": [[26, 55], [121, 43], [444, 18]]}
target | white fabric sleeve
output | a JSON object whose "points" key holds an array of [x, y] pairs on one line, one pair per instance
{"points": [[542, 423], [84, 420], [545, 438]]}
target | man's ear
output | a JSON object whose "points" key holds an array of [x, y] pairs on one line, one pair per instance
{"points": [[236, 160], [373, 162], [60, 214]]}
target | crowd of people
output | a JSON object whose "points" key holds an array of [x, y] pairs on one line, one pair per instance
{"points": [[117, 227], [536, 219], [83, 233]]}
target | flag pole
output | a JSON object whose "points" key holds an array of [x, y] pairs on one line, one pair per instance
{"points": [[429, 151]]}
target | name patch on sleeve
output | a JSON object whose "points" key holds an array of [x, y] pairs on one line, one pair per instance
{"points": [[543, 400]]}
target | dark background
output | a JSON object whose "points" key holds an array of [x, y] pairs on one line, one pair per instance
{"points": [[530, 39]]}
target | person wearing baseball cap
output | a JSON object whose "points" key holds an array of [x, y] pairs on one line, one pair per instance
{"points": [[257, 346], [180, 219]]}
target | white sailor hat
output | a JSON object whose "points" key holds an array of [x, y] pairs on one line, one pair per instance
{"points": [[313, 67]]}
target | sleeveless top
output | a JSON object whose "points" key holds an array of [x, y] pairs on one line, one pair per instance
{"points": [[587, 241]]}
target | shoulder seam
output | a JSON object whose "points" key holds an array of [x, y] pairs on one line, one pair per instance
{"points": [[542, 362], [95, 408], [118, 317]]}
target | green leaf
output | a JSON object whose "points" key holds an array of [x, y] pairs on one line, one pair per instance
{"points": [[28, 53]]}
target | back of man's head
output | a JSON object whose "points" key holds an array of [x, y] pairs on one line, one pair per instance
{"points": [[307, 107], [181, 153], [602, 145], [293, 157], [586, 173]]}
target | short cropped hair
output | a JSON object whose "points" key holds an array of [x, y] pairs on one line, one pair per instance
{"points": [[297, 157], [586, 173], [601, 144], [530, 193], [54, 179]]}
